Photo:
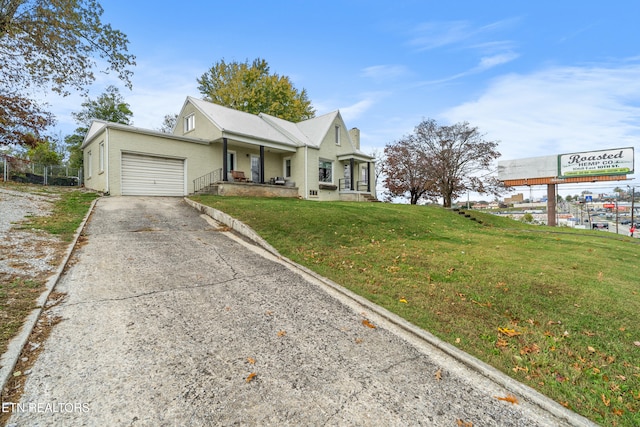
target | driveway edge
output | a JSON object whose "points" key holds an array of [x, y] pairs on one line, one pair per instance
{"points": [[477, 365], [9, 359]]}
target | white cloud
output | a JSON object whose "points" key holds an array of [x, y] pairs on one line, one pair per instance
{"points": [[558, 110], [384, 72], [358, 109], [432, 35], [495, 60]]}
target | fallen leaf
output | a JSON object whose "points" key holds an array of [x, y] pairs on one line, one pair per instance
{"points": [[560, 378], [438, 374], [457, 340], [636, 343], [282, 333], [509, 332], [251, 360], [510, 398], [528, 349], [358, 340], [501, 343], [402, 300], [606, 401], [591, 349], [268, 312], [368, 324], [250, 377], [451, 270], [617, 411], [463, 423]]}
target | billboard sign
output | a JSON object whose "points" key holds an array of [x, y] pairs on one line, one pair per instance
{"points": [[618, 161]]}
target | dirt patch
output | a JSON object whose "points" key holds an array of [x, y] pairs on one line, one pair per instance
{"points": [[30, 352]]}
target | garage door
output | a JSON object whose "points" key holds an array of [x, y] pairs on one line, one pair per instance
{"points": [[152, 176]]}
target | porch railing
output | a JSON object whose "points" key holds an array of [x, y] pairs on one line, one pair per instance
{"points": [[344, 184], [205, 181]]}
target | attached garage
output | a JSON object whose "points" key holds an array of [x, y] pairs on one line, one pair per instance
{"points": [[145, 175]]}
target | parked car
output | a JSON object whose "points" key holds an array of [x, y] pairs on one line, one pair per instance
{"points": [[625, 221], [600, 225]]}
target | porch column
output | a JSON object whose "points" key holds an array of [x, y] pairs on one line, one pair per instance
{"points": [[351, 166], [224, 160], [368, 177], [262, 164]]}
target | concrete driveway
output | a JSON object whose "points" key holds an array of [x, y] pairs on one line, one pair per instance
{"points": [[171, 321]]}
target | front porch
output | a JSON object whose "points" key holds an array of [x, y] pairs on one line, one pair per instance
{"points": [[213, 183]]}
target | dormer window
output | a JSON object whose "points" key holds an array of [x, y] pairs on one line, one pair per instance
{"points": [[337, 135], [189, 123]]}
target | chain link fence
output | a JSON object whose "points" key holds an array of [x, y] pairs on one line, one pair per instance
{"points": [[20, 170]]}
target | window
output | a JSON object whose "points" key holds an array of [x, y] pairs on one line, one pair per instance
{"points": [[325, 171], [337, 135], [287, 168], [189, 123], [101, 158], [231, 161]]}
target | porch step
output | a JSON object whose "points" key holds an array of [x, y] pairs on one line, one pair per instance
{"points": [[370, 198], [209, 189]]}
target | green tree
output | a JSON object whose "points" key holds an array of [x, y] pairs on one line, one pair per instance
{"points": [[45, 153], [110, 106], [251, 88], [51, 45]]}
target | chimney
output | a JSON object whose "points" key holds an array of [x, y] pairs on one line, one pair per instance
{"points": [[355, 137]]}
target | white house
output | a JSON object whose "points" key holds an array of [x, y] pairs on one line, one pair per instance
{"points": [[317, 159]]}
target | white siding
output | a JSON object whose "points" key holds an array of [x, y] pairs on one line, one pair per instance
{"points": [[152, 176]]}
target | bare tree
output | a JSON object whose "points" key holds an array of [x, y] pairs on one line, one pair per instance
{"points": [[442, 162], [406, 169], [169, 123]]}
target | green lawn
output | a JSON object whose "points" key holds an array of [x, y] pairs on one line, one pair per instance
{"points": [[555, 308], [18, 295]]}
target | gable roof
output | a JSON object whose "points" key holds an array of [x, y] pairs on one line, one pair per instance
{"points": [[98, 125], [239, 123], [263, 127]]}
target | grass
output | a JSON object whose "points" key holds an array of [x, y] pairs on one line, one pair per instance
{"points": [[17, 299], [68, 212], [556, 309], [18, 295]]}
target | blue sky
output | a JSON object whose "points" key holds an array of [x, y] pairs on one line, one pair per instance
{"points": [[543, 77]]}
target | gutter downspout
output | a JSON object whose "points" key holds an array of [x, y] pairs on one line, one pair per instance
{"points": [[306, 173], [106, 162]]}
